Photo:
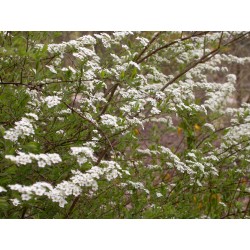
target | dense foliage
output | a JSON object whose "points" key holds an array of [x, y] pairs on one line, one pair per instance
{"points": [[122, 125]]}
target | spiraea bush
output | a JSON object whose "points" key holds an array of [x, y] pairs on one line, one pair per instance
{"points": [[122, 125]]}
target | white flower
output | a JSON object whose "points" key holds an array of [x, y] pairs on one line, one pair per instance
{"points": [[16, 187], [23, 128], [223, 204], [52, 101], [109, 120], [155, 111], [159, 195], [135, 65], [105, 38], [51, 68], [72, 70], [56, 48], [42, 159], [21, 159], [121, 34], [160, 95], [2, 189], [191, 155], [83, 154], [60, 131], [55, 158], [87, 40], [136, 185], [15, 202], [41, 164], [112, 170], [199, 183], [143, 41], [26, 197], [231, 78], [11, 135], [210, 126], [34, 116], [62, 202], [78, 150], [175, 161]]}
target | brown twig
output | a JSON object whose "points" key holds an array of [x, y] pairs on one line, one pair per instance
{"points": [[72, 207], [169, 44], [203, 59], [109, 99], [136, 59]]}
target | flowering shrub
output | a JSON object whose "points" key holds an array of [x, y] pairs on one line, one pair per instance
{"points": [[122, 125]]}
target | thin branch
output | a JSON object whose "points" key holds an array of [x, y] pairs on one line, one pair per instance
{"points": [[191, 66], [147, 46], [203, 59], [109, 99], [72, 207], [170, 44], [95, 125]]}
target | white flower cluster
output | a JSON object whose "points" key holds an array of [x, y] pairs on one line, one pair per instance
{"points": [[62, 190], [238, 133], [112, 169], [56, 48], [146, 151], [109, 120], [87, 179], [138, 185], [57, 194], [210, 162], [42, 159], [134, 106], [218, 96], [175, 161], [83, 154], [32, 115], [232, 59], [85, 53], [52, 101], [205, 165], [153, 166], [87, 40], [210, 126], [135, 121], [144, 41], [167, 120], [196, 165], [79, 180], [155, 111], [235, 135], [105, 38], [39, 189], [135, 65], [23, 128], [121, 34]]}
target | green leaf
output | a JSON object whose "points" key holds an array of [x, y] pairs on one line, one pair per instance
{"points": [[3, 204], [122, 75], [33, 147]]}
